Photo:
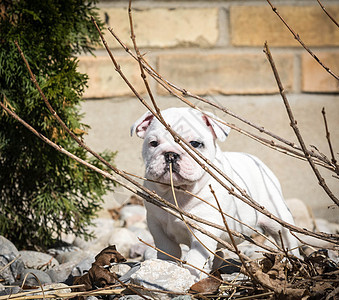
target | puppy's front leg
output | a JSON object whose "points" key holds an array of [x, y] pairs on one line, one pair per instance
{"points": [[201, 255], [162, 241]]}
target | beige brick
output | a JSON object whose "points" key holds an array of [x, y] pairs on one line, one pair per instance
{"points": [[226, 73], [253, 25], [163, 27], [104, 81], [315, 78]]}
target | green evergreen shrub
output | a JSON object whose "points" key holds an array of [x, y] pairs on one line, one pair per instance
{"points": [[42, 192]]}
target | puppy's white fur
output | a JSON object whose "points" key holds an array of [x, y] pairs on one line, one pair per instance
{"points": [[202, 131]]}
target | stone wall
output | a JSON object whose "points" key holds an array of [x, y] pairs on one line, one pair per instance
{"points": [[214, 48]]}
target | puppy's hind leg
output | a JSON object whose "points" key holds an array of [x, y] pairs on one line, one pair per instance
{"points": [[273, 228]]}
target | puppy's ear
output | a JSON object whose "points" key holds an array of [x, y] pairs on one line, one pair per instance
{"points": [[219, 130], [140, 126]]}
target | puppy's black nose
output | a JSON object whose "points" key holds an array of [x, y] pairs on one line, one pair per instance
{"points": [[171, 157]]}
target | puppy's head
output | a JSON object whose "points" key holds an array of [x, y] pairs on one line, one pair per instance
{"points": [[160, 150]]}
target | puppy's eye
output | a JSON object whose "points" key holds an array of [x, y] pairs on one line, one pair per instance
{"points": [[154, 143], [196, 144]]}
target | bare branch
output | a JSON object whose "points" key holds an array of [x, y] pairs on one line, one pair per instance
{"points": [[328, 137], [190, 150], [180, 93], [294, 126], [297, 37], [328, 14], [240, 255], [147, 195]]}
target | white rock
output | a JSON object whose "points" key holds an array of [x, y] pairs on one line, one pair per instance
{"points": [[131, 214], [123, 239], [102, 229], [120, 269], [138, 226], [61, 273], [33, 277], [75, 256], [38, 260], [162, 275], [55, 289], [150, 253], [142, 233]]}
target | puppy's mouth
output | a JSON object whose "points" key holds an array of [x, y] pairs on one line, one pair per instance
{"points": [[172, 167], [171, 170]]}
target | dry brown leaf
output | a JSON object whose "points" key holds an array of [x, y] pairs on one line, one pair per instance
{"points": [[208, 285], [97, 275]]}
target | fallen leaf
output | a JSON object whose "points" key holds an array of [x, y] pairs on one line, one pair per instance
{"points": [[207, 285], [98, 275]]}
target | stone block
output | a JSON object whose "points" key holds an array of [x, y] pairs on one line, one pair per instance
{"points": [[164, 27], [104, 81], [315, 78], [253, 25], [226, 73]]}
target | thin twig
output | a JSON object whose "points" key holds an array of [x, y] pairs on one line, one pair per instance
{"points": [[190, 230], [7, 265], [240, 255], [190, 150], [293, 124], [143, 75], [174, 90], [131, 288], [235, 233], [328, 137], [37, 279], [297, 37], [150, 196], [328, 14], [147, 195]]}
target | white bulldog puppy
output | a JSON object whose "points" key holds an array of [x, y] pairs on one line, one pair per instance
{"points": [[248, 172]]}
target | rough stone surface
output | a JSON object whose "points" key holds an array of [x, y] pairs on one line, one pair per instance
{"points": [[7, 247], [120, 269], [10, 290], [10, 273], [253, 25], [164, 27], [33, 277], [83, 266], [61, 273], [225, 73], [150, 253], [38, 260], [9, 253], [315, 78], [160, 274], [74, 256]]}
